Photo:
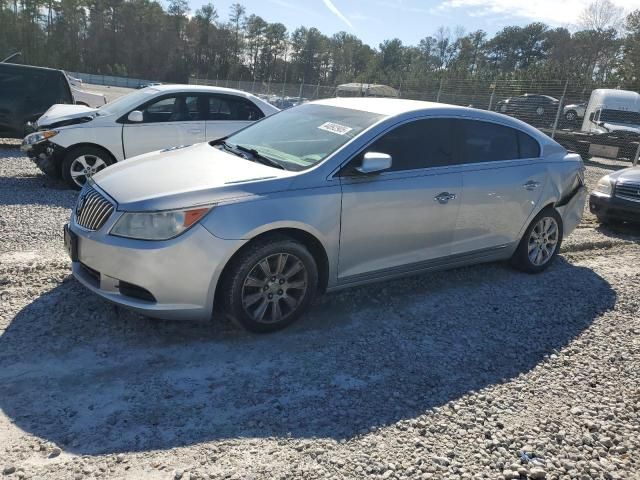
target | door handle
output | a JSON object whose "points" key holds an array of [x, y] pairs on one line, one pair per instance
{"points": [[531, 185], [444, 197]]}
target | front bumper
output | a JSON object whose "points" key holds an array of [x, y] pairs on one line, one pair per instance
{"points": [[173, 279], [46, 155], [606, 206]]}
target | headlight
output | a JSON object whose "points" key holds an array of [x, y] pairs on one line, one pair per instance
{"points": [[38, 137], [157, 225], [604, 185]]}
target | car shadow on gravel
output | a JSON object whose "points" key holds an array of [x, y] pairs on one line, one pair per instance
{"points": [[622, 231], [94, 379], [36, 189], [607, 164]]}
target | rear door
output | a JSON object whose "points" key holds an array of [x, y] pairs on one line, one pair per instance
{"points": [[393, 221], [168, 121], [227, 114], [503, 179]]}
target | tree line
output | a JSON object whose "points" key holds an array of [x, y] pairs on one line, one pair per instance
{"points": [[139, 38]]}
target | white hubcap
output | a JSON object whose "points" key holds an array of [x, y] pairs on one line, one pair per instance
{"points": [[543, 241], [84, 167]]}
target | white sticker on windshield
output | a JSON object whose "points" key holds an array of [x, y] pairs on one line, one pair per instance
{"points": [[335, 128]]}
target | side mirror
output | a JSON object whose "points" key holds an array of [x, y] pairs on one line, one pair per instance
{"points": [[374, 162], [135, 116], [591, 116]]}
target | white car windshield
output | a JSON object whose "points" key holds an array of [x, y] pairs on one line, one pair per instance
{"points": [[302, 136], [127, 102]]}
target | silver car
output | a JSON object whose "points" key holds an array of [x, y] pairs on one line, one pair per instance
{"points": [[326, 195]]}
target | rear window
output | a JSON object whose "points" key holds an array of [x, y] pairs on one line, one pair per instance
{"points": [[228, 107], [38, 85], [487, 142], [529, 147], [11, 83]]}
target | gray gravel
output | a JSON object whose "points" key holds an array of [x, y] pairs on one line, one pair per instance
{"points": [[479, 372]]}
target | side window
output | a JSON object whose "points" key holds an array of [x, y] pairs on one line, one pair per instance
{"points": [[246, 111], [487, 142], [228, 107], [419, 144], [219, 108], [529, 148], [172, 109]]}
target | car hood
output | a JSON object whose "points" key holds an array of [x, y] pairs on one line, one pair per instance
{"points": [[619, 127], [631, 174], [62, 115], [186, 176]]}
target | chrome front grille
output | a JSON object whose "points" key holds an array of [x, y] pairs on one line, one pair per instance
{"points": [[92, 209], [628, 191]]}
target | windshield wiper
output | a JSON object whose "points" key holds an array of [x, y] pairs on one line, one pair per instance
{"points": [[259, 157], [227, 146]]}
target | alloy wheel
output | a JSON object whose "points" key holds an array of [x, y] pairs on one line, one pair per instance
{"points": [[84, 167], [543, 241], [274, 288]]}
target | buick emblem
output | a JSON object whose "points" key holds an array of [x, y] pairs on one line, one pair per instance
{"points": [[80, 204]]}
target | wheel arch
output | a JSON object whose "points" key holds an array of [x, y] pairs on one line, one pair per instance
{"points": [[310, 241], [92, 145]]}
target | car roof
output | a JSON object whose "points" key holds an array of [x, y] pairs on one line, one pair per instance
{"points": [[31, 67], [385, 106], [394, 107], [175, 87]]}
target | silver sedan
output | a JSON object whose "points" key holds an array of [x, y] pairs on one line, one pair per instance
{"points": [[326, 195]]}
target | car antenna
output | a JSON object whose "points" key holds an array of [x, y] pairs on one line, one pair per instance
{"points": [[11, 57]]}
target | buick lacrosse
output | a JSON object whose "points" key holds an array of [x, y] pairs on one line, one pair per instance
{"points": [[326, 195]]}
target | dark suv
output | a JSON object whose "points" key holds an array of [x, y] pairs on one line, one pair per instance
{"points": [[536, 110], [26, 92]]}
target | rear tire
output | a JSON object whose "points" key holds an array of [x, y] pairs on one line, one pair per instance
{"points": [[571, 116], [83, 162], [270, 284], [540, 243]]}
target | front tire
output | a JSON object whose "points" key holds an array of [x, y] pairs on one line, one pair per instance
{"points": [[81, 163], [270, 284], [540, 243]]}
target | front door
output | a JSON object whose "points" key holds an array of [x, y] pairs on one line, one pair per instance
{"points": [[170, 121], [403, 218]]}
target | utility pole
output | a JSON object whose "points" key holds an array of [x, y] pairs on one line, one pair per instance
{"points": [[555, 124]]}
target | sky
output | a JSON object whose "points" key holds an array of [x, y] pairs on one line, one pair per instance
{"points": [[410, 20]]}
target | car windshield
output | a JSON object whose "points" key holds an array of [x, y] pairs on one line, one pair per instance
{"points": [[127, 102], [303, 136], [620, 116]]}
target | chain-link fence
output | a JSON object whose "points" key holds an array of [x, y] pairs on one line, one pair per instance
{"points": [[110, 80], [593, 120]]}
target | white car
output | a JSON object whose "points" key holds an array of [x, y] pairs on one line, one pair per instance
{"points": [[75, 141], [88, 99], [73, 81]]}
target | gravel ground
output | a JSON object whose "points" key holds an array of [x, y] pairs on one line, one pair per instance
{"points": [[479, 372]]}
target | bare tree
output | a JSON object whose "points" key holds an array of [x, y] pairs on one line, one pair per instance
{"points": [[601, 15]]}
